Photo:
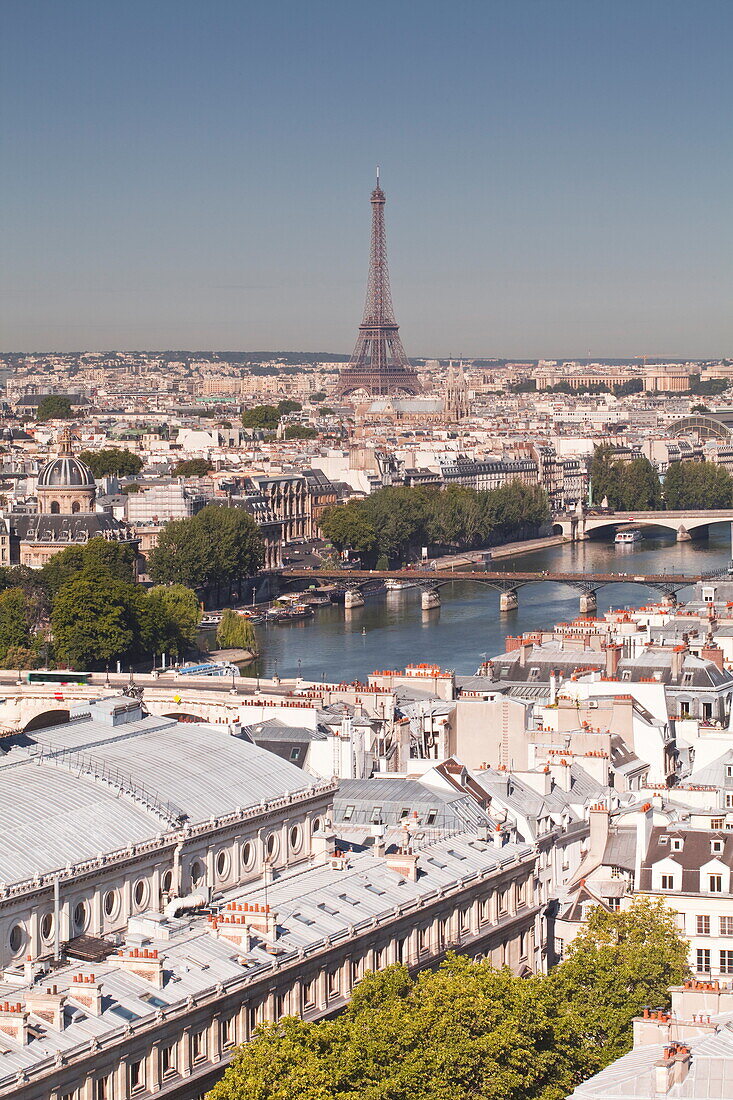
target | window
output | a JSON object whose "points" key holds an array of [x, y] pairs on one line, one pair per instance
{"points": [[432, 817], [716, 846], [614, 904], [617, 872], [717, 822], [483, 910], [534, 674], [294, 754], [715, 884], [309, 994], [559, 948], [80, 917], [702, 925], [729, 771], [349, 813], [376, 815], [197, 872], [46, 926], [668, 882], [16, 939], [226, 1026], [726, 962], [728, 800], [677, 844], [626, 674], [222, 864], [522, 945], [334, 982], [102, 1090], [248, 856], [316, 827], [167, 1059], [295, 838], [198, 1046], [503, 894], [271, 846], [137, 1075], [687, 679], [703, 959], [140, 893], [726, 926], [463, 920]]}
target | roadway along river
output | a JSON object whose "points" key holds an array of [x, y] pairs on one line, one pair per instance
{"points": [[469, 624]]}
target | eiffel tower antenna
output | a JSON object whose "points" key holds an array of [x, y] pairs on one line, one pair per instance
{"points": [[378, 364]]}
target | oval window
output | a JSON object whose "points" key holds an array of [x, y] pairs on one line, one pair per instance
{"points": [[167, 882], [248, 856], [222, 864], [16, 938], [271, 846], [295, 838], [110, 902], [80, 916], [47, 926], [197, 872], [315, 827]]}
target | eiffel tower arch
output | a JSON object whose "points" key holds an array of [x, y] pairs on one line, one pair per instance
{"points": [[378, 364]]}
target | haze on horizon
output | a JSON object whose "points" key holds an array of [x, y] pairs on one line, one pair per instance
{"points": [[180, 176]]}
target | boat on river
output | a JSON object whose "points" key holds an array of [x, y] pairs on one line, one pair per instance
{"points": [[628, 537], [395, 584]]}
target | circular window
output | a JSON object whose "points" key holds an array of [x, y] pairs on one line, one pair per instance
{"points": [[248, 856], [295, 839], [222, 864], [80, 916], [167, 882], [16, 939], [271, 846], [197, 872], [315, 827], [46, 926], [140, 894], [110, 903]]}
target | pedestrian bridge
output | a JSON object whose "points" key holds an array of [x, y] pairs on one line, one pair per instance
{"points": [[684, 524]]}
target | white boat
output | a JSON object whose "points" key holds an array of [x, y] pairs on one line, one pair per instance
{"points": [[209, 668], [625, 538], [394, 584]]}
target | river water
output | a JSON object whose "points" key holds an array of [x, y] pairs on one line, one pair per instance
{"points": [[392, 630]]}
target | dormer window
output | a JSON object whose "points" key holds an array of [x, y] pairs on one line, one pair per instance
{"points": [[349, 813], [534, 674], [716, 847], [687, 679], [677, 844], [376, 815], [626, 674], [729, 771]]}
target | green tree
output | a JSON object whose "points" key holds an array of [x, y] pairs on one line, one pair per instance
{"points": [[300, 431], [348, 527], [319, 395], [235, 632], [639, 487], [287, 405], [619, 963], [605, 476], [215, 547], [112, 462], [177, 614], [115, 558], [697, 485], [192, 467], [54, 407], [15, 627], [95, 618], [261, 416]]}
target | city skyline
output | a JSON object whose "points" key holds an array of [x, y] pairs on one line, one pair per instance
{"points": [[555, 176]]}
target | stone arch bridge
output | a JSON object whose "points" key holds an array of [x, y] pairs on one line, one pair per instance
{"points": [[684, 524]]}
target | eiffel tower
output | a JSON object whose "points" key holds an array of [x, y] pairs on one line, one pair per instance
{"points": [[378, 364]]}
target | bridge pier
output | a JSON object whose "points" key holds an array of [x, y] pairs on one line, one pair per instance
{"points": [[669, 599], [683, 535], [429, 599], [353, 598], [509, 601], [588, 603]]}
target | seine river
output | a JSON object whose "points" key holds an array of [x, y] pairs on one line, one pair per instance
{"points": [[391, 630]]}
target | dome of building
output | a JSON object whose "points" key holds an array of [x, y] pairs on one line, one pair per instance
{"points": [[65, 472]]}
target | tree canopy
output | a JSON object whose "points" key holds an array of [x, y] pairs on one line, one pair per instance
{"points": [[192, 467], [54, 406], [236, 632], [395, 521], [697, 485], [469, 1030], [217, 546], [630, 484], [268, 416], [112, 462]]}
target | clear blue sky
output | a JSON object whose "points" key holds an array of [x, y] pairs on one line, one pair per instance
{"points": [[559, 174]]}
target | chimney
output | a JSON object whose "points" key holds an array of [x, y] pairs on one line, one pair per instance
{"points": [[14, 1022], [713, 653], [524, 650], [613, 655], [47, 1005], [403, 861], [644, 822], [144, 963], [378, 831], [553, 687], [599, 816], [498, 837], [678, 659], [86, 991], [323, 843], [681, 1064]]}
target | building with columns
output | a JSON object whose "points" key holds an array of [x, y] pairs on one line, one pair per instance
{"points": [[166, 886]]}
